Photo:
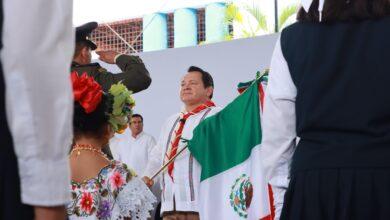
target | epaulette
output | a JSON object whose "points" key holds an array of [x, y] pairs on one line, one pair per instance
{"points": [[74, 64], [93, 64], [136, 59], [101, 69]]}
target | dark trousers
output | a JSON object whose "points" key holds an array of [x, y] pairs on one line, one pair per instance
{"points": [[11, 207], [157, 215]]}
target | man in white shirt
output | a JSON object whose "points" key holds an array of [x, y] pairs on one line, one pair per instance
{"points": [[36, 103], [180, 181], [134, 145], [133, 148]]}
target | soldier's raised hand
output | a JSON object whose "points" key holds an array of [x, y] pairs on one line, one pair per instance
{"points": [[107, 56]]}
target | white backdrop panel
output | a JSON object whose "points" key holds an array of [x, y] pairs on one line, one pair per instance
{"points": [[228, 62]]}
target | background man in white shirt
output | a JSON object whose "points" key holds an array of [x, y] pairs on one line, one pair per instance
{"points": [[133, 148], [134, 145]]}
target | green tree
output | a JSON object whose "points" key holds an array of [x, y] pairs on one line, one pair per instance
{"points": [[287, 12], [234, 14]]}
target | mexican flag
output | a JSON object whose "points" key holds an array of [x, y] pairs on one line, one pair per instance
{"points": [[227, 147]]}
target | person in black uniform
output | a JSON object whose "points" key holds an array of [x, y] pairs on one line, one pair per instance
{"points": [[134, 74], [329, 85]]}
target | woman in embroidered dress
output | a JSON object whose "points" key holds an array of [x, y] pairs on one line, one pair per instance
{"points": [[102, 188]]}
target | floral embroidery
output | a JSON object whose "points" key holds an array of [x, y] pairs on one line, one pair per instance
{"points": [[97, 196], [104, 210], [116, 180], [86, 202]]}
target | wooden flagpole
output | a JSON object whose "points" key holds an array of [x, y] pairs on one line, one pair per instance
{"points": [[168, 162]]}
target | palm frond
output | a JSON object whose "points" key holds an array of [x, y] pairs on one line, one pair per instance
{"points": [[233, 13], [258, 15], [286, 14]]}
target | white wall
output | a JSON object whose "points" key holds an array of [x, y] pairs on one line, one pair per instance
{"points": [[228, 62]]}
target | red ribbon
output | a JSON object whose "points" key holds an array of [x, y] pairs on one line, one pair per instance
{"points": [[179, 131]]}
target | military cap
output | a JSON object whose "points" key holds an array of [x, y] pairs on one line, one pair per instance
{"points": [[83, 33]]}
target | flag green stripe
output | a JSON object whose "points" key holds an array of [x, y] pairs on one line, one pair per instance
{"points": [[226, 139]]}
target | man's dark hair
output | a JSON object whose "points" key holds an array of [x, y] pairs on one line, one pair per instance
{"points": [[346, 10], [207, 79], [137, 116]]}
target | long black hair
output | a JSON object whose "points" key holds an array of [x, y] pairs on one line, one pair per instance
{"points": [[346, 10]]}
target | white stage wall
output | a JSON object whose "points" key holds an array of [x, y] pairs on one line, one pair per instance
{"points": [[228, 62]]}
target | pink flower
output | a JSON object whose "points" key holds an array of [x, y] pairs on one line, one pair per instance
{"points": [[116, 180]]}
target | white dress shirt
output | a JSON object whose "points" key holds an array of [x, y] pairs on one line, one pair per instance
{"points": [[38, 47], [181, 193], [278, 126], [133, 151]]}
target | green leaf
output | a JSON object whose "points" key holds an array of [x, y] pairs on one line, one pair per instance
{"points": [[286, 14], [229, 37], [247, 34], [259, 16], [233, 14]]}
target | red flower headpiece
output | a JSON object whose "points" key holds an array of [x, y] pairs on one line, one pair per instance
{"points": [[86, 91]]}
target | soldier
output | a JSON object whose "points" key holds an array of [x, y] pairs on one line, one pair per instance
{"points": [[134, 74]]}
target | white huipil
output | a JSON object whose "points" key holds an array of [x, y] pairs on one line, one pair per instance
{"points": [[181, 192]]}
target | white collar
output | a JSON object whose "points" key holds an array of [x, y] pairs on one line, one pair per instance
{"points": [[138, 136]]}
